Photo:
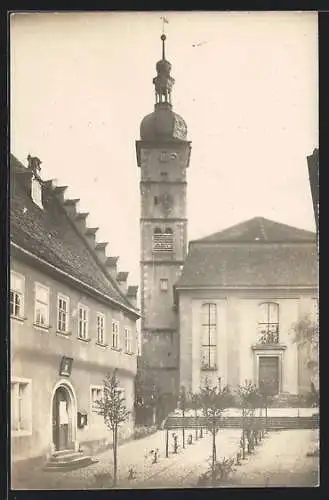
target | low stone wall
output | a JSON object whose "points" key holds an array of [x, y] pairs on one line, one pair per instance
{"points": [[237, 422]]}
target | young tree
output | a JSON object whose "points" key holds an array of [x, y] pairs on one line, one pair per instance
{"points": [[113, 409], [306, 335], [194, 403], [182, 405], [213, 401], [249, 399]]}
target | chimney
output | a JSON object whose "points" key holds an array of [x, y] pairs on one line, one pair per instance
{"points": [[132, 295], [80, 221], [122, 280], [100, 250], [59, 193], [90, 235], [71, 207], [111, 266]]}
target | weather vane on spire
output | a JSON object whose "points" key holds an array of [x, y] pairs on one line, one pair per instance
{"points": [[164, 21], [163, 36]]}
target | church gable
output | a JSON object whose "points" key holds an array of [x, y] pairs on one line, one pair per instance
{"points": [[258, 252], [260, 229]]}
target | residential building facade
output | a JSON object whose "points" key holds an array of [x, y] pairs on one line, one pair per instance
{"points": [[73, 320]]}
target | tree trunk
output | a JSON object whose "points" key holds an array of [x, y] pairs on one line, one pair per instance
{"points": [[213, 451], [196, 426], [243, 434], [115, 455]]}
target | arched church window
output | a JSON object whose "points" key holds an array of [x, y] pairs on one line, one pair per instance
{"points": [[157, 230], [209, 336], [268, 323]]}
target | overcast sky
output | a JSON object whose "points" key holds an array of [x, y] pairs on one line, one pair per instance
{"points": [[246, 84]]}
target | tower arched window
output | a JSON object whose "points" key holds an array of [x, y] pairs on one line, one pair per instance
{"points": [[157, 230], [268, 323], [209, 337], [168, 230]]}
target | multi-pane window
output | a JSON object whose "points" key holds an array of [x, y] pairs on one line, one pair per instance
{"points": [[115, 334], [21, 414], [209, 336], [268, 325], [62, 314], [83, 322], [100, 329], [128, 341], [17, 284], [41, 306], [164, 285], [96, 394]]}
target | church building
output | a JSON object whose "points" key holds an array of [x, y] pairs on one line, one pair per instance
{"points": [[227, 308], [239, 296]]}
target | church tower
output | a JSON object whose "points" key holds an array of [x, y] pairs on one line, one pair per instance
{"points": [[163, 154]]}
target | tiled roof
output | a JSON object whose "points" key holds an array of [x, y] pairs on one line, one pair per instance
{"points": [[235, 257], [51, 235], [261, 229]]}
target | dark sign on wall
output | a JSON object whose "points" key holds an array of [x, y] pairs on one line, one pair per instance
{"points": [[65, 366]]}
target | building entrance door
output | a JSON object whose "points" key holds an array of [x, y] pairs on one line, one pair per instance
{"points": [[62, 419], [268, 374]]}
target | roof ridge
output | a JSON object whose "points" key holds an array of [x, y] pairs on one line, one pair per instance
{"points": [[121, 296], [267, 229], [93, 253]]}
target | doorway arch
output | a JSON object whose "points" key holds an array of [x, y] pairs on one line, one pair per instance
{"points": [[63, 417]]}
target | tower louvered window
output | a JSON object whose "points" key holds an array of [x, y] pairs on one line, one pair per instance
{"points": [[163, 241]]}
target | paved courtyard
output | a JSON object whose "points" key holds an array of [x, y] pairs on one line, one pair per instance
{"points": [[181, 470], [279, 460]]}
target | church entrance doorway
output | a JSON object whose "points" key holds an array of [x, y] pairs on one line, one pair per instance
{"points": [[268, 374]]}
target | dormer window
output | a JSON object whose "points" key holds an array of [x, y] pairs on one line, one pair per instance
{"points": [[36, 192], [36, 186]]}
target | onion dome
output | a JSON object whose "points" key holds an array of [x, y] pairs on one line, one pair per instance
{"points": [[163, 123]]}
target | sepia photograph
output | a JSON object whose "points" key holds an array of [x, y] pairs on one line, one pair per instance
{"points": [[164, 194]]}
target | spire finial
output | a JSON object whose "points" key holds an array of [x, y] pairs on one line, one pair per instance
{"points": [[163, 36]]}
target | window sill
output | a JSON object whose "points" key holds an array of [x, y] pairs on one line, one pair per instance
{"points": [[84, 340], [104, 346], [43, 328], [270, 347], [18, 318], [209, 368], [27, 432], [63, 334]]}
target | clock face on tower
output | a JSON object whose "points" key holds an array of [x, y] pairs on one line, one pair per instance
{"points": [[166, 200]]}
